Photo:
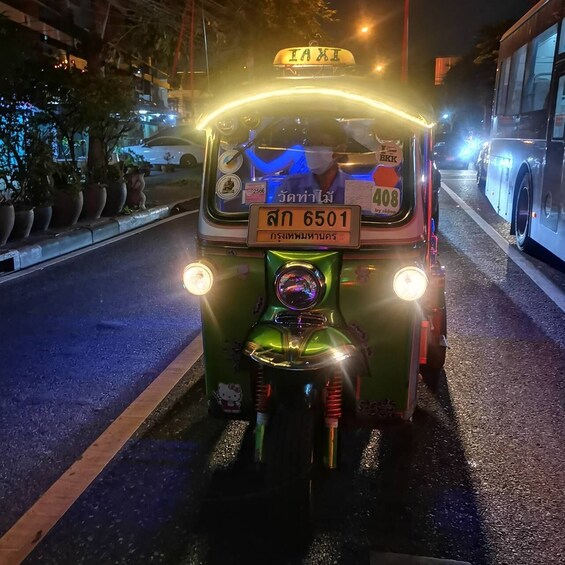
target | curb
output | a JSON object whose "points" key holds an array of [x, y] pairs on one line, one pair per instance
{"points": [[57, 244]]}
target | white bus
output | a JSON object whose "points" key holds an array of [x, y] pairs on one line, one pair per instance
{"points": [[526, 166]]}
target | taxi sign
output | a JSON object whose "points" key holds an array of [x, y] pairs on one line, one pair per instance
{"points": [[304, 226], [314, 56]]}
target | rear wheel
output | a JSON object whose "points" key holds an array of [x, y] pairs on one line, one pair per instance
{"points": [[188, 161], [523, 215], [289, 465]]}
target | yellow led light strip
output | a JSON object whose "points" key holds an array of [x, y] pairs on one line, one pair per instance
{"points": [[374, 104]]}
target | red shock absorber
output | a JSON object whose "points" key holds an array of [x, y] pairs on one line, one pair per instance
{"points": [[334, 387], [262, 394], [333, 396], [262, 390]]}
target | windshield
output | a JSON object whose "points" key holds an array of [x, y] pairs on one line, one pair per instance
{"points": [[297, 160]]}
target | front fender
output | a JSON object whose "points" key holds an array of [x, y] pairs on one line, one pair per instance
{"points": [[281, 347]]}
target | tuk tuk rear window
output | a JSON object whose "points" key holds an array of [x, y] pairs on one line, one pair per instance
{"points": [[295, 160]]}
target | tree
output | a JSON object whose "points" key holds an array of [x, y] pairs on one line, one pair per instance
{"points": [[469, 85]]}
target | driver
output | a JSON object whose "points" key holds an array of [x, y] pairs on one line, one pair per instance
{"points": [[325, 142]]}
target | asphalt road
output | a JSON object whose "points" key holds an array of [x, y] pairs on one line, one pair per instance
{"points": [[80, 340], [478, 476]]}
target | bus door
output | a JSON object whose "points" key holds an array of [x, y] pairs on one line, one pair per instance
{"points": [[553, 193]]}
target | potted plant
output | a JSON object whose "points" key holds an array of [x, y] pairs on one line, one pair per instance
{"points": [[116, 188], [67, 195], [23, 210], [95, 193], [38, 181], [7, 215]]}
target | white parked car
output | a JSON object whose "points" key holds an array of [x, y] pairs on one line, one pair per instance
{"points": [[167, 150]]}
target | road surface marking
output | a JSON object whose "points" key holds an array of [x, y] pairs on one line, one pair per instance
{"points": [[378, 558], [552, 290], [20, 540]]}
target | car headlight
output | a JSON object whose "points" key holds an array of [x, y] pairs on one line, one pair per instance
{"points": [[197, 278], [299, 285], [410, 283]]}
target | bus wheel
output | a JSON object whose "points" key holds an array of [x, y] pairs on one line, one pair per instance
{"points": [[523, 215]]}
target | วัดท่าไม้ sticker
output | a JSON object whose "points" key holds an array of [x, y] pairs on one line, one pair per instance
{"points": [[228, 187], [254, 193]]}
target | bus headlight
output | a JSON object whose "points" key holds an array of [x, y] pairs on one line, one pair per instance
{"points": [[410, 283], [299, 285], [197, 278]]}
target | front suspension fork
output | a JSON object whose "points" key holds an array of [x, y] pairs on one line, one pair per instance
{"points": [[333, 389], [332, 414], [262, 400]]}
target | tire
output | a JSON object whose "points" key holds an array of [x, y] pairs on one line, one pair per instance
{"points": [[289, 466], [481, 181], [431, 371], [188, 161], [523, 215]]}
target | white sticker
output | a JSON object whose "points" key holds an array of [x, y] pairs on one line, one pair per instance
{"points": [[386, 200], [254, 192], [359, 192], [230, 162], [389, 154], [228, 187]]}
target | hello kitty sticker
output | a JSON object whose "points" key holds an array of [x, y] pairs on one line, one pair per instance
{"points": [[228, 396]]}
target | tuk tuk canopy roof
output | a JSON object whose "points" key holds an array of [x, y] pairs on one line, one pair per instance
{"points": [[333, 95]]}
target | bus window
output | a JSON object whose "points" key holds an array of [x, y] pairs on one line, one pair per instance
{"points": [[503, 87], [562, 38], [559, 121], [516, 81], [541, 53]]}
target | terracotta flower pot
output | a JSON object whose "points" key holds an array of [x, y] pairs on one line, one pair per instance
{"points": [[7, 217], [67, 207], [116, 198], [94, 201], [22, 223], [41, 218]]}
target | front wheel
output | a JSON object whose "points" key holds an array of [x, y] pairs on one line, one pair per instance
{"points": [[437, 351], [289, 464], [523, 215]]}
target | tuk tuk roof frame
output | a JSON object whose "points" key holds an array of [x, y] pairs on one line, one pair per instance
{"points": [[330, 88]]}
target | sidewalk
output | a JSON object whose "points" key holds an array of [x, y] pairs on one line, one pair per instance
{"points": [[163, 200]]}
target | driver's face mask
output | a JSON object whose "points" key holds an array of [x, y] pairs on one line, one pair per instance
{"points": [[319, 158]]}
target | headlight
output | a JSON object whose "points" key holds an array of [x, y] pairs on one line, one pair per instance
{"points": [[299, 285], [410, 283], [197, 278]]}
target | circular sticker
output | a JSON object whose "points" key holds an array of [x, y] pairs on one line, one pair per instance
{"points": [[228, 187], [390, 154], [230, 161]]}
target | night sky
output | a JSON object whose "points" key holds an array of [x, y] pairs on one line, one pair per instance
{"points": [[438, 28]]}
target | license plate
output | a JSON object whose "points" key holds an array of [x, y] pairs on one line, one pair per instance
{"points": [[304, 226]]}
